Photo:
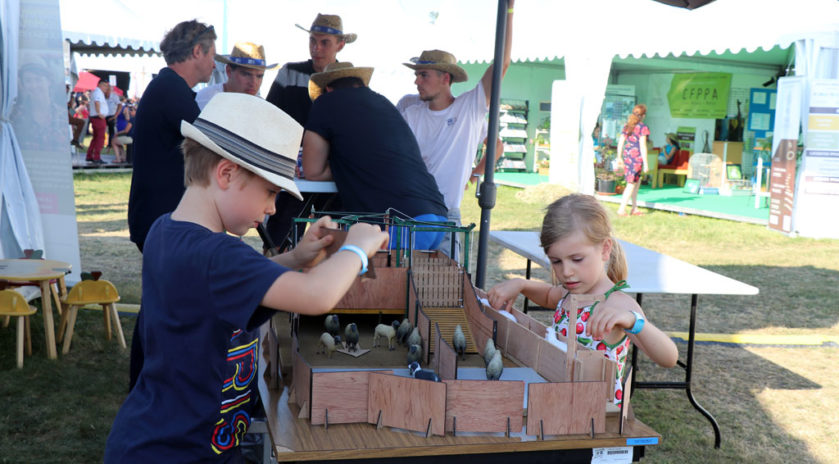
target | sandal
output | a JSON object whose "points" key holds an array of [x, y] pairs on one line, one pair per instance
{"points": [[638, 213]]}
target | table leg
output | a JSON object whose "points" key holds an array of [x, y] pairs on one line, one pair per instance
{"points": [[49, 325], [687, 366], [527, 276]]}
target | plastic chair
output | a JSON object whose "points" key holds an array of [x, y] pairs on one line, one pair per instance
{"points": [[13, 303], [86, 292]]}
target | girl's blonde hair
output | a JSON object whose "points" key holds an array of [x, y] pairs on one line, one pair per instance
{"points": [[581, 212], [638, 112]]}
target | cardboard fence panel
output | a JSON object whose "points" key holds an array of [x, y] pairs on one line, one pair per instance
{"points": [[424, 326], [566, 408], [301, 378], [523, 345], [343, 395], [502, 328], [551, 363], [407, 403], [386, 291], [479, 323], [411, 310], [484, 406], [445, 357], [439, 282]]}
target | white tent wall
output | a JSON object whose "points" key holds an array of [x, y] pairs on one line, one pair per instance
{"points": [[40, 125]]}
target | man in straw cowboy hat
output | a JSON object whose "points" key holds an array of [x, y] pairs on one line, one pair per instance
{"points": [[203, 287], [449, 130], [290, 93], [245, 69], [357, 138], [290, 90]]}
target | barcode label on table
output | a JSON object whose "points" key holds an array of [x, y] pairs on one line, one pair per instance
{"points": [[618, 455]]}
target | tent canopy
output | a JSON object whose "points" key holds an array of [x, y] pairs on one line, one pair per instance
{"points": [[97, 44]]}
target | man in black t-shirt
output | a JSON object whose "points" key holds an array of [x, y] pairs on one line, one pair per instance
{"points": [[290, 93], [357, 138]]}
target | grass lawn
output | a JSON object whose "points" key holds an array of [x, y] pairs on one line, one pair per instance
{"points": [[775, 404]]}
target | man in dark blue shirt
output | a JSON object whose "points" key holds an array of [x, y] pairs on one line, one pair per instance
{"points": [[358, 138], [157, 183]]}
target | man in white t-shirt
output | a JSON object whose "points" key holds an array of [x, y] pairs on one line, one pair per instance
{"points": [[449, 130], [245, 70], [98, 114]]}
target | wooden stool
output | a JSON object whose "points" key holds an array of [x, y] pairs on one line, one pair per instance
{"points": [[13, 303], [86, 292]]}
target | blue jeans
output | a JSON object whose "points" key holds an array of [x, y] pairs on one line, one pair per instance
{"points": [[421, 240]]}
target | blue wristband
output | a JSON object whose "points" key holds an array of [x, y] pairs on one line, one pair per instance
{"points": [[361, 254], [639, 323]]}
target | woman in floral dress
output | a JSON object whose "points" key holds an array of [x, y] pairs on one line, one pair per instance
{"points": [[632, 144]]}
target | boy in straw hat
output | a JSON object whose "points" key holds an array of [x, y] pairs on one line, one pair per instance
{"points": [[245, 68], [449, 130], [290, 93], [205, 291], [357, 137]]}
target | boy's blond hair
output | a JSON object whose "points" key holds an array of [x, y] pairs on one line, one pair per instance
{"points": [[199, 162]]}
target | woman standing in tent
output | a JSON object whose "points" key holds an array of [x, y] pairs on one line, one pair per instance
{"points": [[632, 145]]}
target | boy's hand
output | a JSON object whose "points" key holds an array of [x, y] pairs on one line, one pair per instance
{"points": [[503, 295], [312, 247], [368, 237]]}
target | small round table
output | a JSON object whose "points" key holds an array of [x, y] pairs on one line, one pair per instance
{"points": [[40, 272]]}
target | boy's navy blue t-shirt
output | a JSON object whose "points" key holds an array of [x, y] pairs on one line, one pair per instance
{"points": [[201, 296]]}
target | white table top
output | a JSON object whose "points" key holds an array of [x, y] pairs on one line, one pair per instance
{"points": [[311, 186], [649, 271]]}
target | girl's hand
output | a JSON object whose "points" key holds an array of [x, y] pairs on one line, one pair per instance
{"points": [[312, 247], [503, 295], [605, 318], [368, 237]]}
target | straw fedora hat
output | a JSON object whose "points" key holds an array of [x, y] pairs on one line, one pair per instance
{"points": [[265, 142], [333, 72], [329, 24], [248, 55], [440, 61]]}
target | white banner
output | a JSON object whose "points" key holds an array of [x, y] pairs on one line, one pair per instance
{"points": [[39, 116]]}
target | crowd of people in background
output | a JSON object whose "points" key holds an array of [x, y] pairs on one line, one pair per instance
{"points": [[117, 115]]}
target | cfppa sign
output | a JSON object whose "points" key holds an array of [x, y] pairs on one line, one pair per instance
{"points": [[699, 95]]}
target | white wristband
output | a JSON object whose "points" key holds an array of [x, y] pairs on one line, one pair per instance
{"points": [[360, 254]]}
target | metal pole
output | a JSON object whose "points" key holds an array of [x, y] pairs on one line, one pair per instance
{"points": [[487, 189]]}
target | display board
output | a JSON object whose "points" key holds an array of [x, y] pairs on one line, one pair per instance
{"points": [[699, 95], [818, 190], [784, 154]]}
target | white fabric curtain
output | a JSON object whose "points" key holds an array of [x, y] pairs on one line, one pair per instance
{"points": [[20, 218]]}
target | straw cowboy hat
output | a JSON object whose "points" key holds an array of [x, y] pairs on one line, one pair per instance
{"points": [[440, 61], [329, 24], [248, 55], [333, 72], [265, 142]]}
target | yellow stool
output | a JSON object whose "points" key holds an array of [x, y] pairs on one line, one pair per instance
{"points": [[13, 303], [86, 292]]}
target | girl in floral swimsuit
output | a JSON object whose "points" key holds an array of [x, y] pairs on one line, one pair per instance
{"points": [[587, 260]]}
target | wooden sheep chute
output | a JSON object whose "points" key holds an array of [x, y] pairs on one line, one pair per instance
{"points": [[468, 406]]}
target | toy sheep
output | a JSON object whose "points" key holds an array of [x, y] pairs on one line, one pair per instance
{"points": [[384, 331], [459, 342], [495, 366], [327, 345], [414, 354], [404, 330], [489, 350], [351, 336], [332, 325], [415, 338]]}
